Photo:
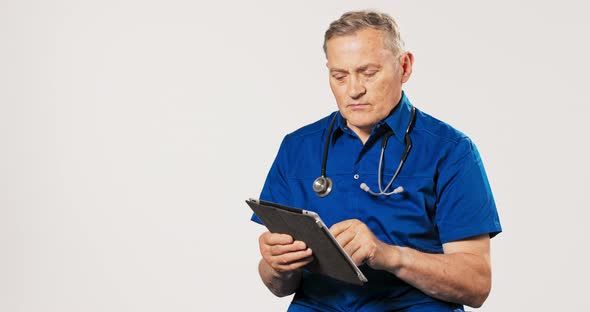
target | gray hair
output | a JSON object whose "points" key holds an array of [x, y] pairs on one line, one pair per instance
{"points": [[351, 22]]}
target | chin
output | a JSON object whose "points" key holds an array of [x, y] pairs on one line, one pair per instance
{"points": [[360, 119], [361, 123]]}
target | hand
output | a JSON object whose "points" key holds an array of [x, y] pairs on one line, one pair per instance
{"points": [[283, 254], [362, 245]]}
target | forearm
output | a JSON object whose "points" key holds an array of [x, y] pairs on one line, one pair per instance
{"points": [[280, 284], [458, 277]]}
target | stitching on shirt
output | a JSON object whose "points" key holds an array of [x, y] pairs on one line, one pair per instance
{"points": [[450, 139]]}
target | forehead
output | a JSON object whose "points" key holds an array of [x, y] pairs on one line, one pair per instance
{"points": [[365, 45]]}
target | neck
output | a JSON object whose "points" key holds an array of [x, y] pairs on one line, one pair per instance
{"points": [[362, 133]]}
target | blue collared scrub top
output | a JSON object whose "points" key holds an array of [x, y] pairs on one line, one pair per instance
{"points": [[446, 198]]}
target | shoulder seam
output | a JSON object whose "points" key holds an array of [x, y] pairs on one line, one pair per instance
{"points": [[453, 140]]}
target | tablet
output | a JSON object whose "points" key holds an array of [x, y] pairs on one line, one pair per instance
{"points": [[329, 257]]}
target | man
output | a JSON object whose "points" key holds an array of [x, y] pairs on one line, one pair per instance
{"points": [[424, 246]]}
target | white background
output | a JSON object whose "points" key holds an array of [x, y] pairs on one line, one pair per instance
{"points": [[131, 132]]}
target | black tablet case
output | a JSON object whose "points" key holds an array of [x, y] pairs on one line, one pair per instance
{"points": [[328, 258]]}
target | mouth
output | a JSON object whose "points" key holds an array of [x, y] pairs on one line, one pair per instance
{"points": [[355, 106]]}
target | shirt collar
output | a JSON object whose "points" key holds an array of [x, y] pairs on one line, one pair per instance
{"points": [[397, 121], [399, 118]]}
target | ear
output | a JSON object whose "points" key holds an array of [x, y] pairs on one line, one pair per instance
{"points": [[406, 61]]}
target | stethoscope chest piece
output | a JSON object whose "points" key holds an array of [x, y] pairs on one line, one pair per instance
{"points": [[322, 186]]}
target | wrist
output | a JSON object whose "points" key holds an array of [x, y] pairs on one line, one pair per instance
{"points": [[279, 283], [395, 258], [274, 274], [285, 275]]}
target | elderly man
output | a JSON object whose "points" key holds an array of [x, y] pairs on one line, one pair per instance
{"points": [[406, 195]]}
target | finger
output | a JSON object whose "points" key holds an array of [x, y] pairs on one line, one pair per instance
{"points": [[284, 261], [361, 254], [268, 251], [305, 261], [294, 265], [340, 227], [345, 237], [277, 239], [290, 257], [266, 242], [352, 247], [277, 250]]}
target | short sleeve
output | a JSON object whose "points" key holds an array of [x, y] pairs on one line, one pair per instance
{"points": [[465, 204], [276, 188]]}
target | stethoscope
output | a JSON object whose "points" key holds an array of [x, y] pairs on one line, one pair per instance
{"points": [[322, 186]]}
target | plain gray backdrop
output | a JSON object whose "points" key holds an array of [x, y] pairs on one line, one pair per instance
{"points": [[131, 132]]}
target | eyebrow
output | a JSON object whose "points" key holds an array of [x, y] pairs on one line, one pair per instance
{"points": [[358, 69]]}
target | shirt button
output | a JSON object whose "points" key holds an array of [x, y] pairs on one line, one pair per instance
{"points": [[356, 176]]}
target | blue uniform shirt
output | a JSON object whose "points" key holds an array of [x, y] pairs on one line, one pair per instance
{"points": [[446, 197]]}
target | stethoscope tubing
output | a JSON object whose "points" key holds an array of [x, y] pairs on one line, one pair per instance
{"points": [[322, 186]]}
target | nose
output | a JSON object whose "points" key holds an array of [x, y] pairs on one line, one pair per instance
{"points": [[356, 87]]}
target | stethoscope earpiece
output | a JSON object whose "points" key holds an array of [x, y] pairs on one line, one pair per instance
{"points": [[366, 188]]}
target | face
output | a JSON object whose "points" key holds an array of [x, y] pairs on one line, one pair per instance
{"points": [[366, 78]]}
